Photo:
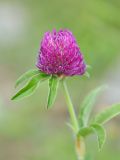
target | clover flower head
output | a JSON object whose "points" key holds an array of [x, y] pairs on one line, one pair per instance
{"points": [[60, 55]]}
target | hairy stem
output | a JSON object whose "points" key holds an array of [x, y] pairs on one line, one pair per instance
{"points": [[70, 107], [80, 148], [79, 143]]}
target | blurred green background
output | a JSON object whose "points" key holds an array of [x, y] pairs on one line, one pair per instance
{"points": [[27, 130]]}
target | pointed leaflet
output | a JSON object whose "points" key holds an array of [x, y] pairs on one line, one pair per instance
{"points": [[94, 128], [30, 87], [107, 114], [85, 131], [88, 104], [101, 134], [53, 86], [27, 76]]}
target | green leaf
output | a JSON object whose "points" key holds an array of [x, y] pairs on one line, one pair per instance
{"points": [[88, 104], [107, 114], [94, 128], [85, 131], [101, 134], [30, 87], [27, 76], [53, 86]]}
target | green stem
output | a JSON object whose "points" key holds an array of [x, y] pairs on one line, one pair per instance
{"points": [[80, 148], [70, 107], [79, 142]]}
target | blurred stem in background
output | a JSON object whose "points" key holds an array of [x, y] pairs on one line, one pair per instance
{"points": [[79, 142]]}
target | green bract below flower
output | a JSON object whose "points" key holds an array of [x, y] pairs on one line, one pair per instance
{"points": [[60, 57]]}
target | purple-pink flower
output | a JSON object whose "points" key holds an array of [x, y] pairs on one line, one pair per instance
{"points": [[59, 54]]}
